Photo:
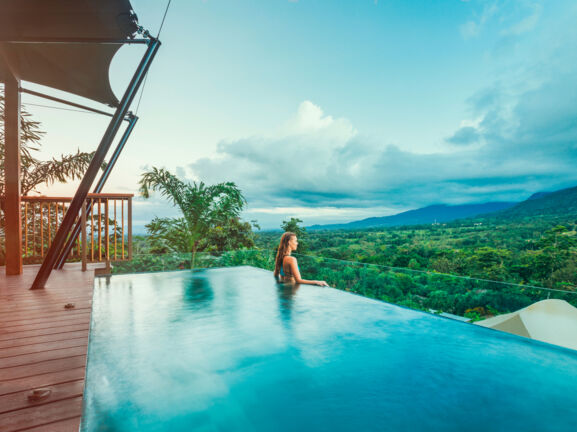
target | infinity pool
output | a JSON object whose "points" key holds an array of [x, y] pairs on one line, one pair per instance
{"points": [[231, 350]]}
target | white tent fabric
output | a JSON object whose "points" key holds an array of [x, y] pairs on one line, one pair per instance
{"points": [[551, 321]]}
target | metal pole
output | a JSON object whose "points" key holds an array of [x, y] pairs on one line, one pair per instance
{"points": [[99, 155], [132, 119], [65, 102], [36, 40]]}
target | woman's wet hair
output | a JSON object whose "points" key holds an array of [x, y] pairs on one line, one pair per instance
{"points": [[283, 250]]}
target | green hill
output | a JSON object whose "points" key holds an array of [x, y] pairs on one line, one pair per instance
{"points": [[560, 203]]}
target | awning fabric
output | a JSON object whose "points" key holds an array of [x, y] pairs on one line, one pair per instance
{"points": [[78, 68], [553, 321]]}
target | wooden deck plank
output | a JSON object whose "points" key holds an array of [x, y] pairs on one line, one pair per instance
{"points": [[40, 415], [16, 317], [39, 303], [19, 400], [49, 307], [41, 357], [55, 365], [43, 345], [41, 339], [40, 381], [62, 321], [44, 331], [70, 425]]}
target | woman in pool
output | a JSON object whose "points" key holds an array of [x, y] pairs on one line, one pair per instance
{"points": [[286, 267]]}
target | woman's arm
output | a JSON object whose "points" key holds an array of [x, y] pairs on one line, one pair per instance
{"points": [[297, 274]]}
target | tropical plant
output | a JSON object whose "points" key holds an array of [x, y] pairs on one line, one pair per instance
{"points": [[203, 207], [230, 235], [35, 172]]}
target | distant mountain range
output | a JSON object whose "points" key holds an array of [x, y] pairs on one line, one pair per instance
{"points": [[427, 215], [562, 202]]}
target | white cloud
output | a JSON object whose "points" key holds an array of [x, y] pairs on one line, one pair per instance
{"points": [[470, 29], [311, 119], [527, 23], [318, 166], [473, 28], [519, 137], [307, 152]]}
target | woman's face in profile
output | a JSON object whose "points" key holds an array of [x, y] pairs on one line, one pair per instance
{"points": [[293, 243]]}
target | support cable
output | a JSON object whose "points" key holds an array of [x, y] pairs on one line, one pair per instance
{"points": [[163, 18], [146, 77], [59, 108]]}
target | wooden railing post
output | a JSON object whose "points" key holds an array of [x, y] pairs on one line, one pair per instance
{"points": [[106, 230], [92, 230], [129, 228], [84, 236], [99, 220], [38, 225]]}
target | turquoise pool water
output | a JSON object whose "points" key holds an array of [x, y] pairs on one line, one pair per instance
{"points": [[230, 350]]}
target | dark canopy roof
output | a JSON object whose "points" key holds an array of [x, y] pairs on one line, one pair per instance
{"points": [[79, 68]]}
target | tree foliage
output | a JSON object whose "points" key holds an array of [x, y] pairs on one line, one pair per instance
{"points": [[463, 268], [210, 214], [36, 172], [293, 225], [528, 252]]}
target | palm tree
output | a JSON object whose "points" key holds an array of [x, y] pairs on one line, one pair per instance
{"points": [[202, 206]]}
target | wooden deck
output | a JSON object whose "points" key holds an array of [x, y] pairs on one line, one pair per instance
{"points": [[43, 346]]}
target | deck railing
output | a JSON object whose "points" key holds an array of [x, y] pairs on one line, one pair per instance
{"points": [[107, 229]]}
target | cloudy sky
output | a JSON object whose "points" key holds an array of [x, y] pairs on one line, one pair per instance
{"points": [[334, 111]]}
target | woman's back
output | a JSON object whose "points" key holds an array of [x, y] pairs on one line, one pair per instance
{"points": [[286, 273]]}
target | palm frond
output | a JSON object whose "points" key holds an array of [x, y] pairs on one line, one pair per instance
{"points": [[67, 167], [204, 207], [166, 183]]}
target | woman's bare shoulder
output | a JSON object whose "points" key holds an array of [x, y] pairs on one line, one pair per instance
{"points": [[289, 259]]}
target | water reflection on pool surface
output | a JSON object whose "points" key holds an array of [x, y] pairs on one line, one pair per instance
{"points": [[231, 350]]}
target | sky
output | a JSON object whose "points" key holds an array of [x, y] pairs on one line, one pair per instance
{"points": [[334, 111]]}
